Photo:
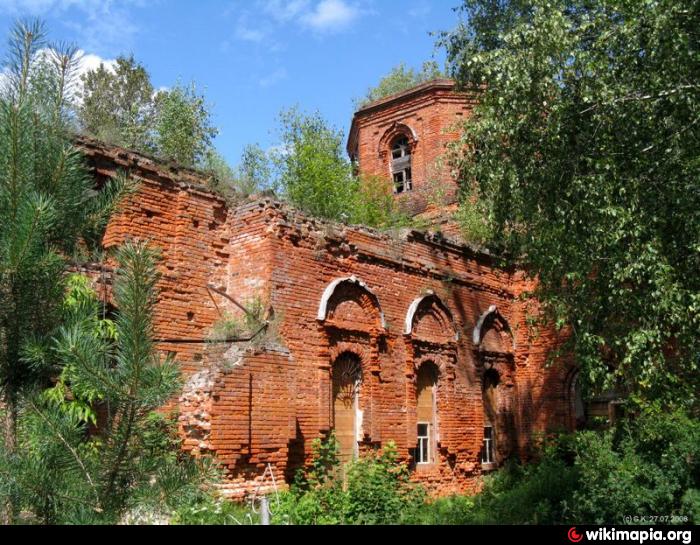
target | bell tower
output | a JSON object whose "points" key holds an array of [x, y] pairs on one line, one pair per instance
{"points": [[403, 138]]}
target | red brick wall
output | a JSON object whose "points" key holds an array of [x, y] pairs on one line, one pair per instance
{"points": [[254, 405], [460, 287], [428, 115]]}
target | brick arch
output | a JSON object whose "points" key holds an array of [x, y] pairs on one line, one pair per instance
{"points": [[359, 301], [429, 310], [347, 355], [442, 361], [492, 333], [393, 132], [360, 350]]}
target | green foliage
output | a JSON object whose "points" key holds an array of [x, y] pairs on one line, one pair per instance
{"points": [[222, 174], [253, 175], [472, 217], [120, 106], [315, 175], [451, 510], [647, 465], [374, 205], [132, 465], [313, 171], [207, 509], [48, 208], [584, 147], [372, 490], [324, 463], [117, 104], [691, 504], [399, 79], [379, 491], [240, 324], [183, 129]]}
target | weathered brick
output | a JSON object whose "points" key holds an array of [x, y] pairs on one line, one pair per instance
{"points": [[393, 302]]}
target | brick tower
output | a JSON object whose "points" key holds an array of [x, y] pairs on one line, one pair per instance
{"points": [[403, 138]]}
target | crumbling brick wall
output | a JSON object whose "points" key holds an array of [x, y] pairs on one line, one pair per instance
{"points": [[394, 302]]}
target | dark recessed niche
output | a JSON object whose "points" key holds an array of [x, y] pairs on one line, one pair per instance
{"points": [[195, 223], [190, 316]]}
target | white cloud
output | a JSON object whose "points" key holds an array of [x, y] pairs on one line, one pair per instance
{"points": [[278, 150], [86, 63], [285, 10], [273, 78], [36, 7], [323, 16], [330, 15], [90, 61], [422, 9], [247, 32], [100, 24]]}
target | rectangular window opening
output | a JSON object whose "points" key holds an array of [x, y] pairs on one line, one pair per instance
{"points": [[488, 454], [423, 446], [402, 181]]}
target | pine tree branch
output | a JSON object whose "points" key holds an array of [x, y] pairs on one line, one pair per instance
{"points": [[71, 450]]}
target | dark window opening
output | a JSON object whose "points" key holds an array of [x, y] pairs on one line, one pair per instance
{"points": [[488, 452], [401, 165]]}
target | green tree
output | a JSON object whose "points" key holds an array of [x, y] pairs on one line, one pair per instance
{"points": [[47, 209], [584, 147], [314, 173], [120, 106], [400, 78], [183, 128], [254, 173], [133, 459], [214, 163], [117, 104]]}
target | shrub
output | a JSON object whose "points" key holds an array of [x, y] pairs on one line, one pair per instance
{"points": [[646, 465], [373, 490], [206, 509], [379, 491]]}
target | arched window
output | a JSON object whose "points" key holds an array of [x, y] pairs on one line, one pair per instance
{"points": [[426, 409], [346, 380], [401, 164], [490, 403]]}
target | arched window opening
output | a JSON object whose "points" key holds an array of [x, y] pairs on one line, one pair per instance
{"points": [[401, 165], [579, 407], [426, 409], [346, 381], [490, 403]]}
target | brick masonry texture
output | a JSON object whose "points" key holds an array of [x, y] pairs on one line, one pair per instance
{"points": [[428, 115], [395, 302]]}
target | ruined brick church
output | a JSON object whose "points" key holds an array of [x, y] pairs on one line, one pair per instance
{"points": [[415, 338]]}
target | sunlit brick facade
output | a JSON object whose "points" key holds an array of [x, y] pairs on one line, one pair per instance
{"points": [[410, 338]]}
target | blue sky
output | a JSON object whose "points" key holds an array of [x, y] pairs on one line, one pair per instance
{"points": [[252, 58]]}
